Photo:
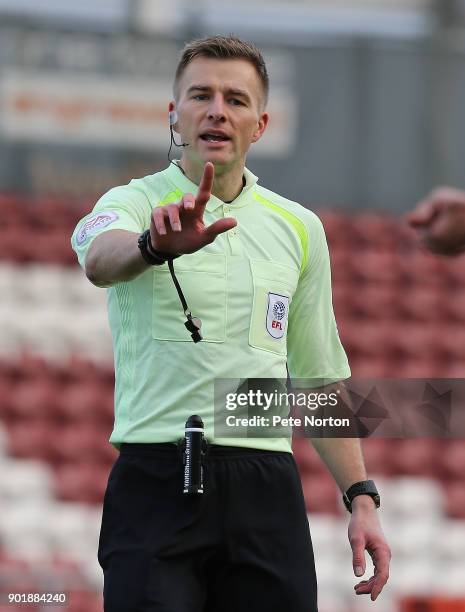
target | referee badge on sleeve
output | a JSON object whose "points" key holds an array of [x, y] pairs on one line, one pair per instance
{"points": [[93, 224], [276, 316]]}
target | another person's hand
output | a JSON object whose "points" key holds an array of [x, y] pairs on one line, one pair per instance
{"points": [[440, 221], [365, 533], [179, 228]]}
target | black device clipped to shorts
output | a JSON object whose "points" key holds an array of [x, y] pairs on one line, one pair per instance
{"points": [[193, 453]]}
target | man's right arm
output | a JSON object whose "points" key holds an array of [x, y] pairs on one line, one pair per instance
{"points": [[114, 257]]}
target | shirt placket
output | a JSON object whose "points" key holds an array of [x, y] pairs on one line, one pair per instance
{"points": [[233, 234]]}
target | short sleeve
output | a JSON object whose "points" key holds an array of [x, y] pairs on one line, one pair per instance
{"points": [[315, 354], [122, 207]]}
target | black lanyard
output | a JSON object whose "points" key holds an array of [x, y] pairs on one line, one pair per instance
{"points": [[193, 324]]}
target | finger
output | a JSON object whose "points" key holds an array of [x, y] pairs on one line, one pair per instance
{"points": [[159, 220], [366, 589], [188, 201], [206, 184], [173, 214], [381, 558], [424, 213], [378, 586], [358, 556], [365, 586], [373, 585], [219, 227], [421, 215], [445, 196], [363, 582]]}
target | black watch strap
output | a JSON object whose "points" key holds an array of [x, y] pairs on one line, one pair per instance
{"points": [[150, 255], [364, 487]]}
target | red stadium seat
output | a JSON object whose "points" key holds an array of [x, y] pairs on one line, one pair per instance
{"points": [[35, 399], [416, 457], [341, 267], [451, 341], [456, 272], [431, 604], [81, 482], [81, 370], [53, 246], [84, 601], [87, 402], [6, 400], [378, 453], [379, 302], [12, 211], [321, 494], [31, 440], [454, 495], [455, 306], [414, 340], [421, 268], [338, 228], [423, 303], [30, 367], [366, 338], [375, 366], [343, 300], [51, 213], [455, 369], [374, 230], [307, 459], [78, 443], [376, 266], [420, 367], [452, 459], [13, 245]]}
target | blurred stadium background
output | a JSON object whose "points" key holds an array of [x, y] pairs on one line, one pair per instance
{"points": [[367, 106]]}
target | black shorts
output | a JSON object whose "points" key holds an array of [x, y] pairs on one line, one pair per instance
{"points": [[242, 546]]}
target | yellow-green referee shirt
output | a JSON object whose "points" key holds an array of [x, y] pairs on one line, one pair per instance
{"points": [[262, 291]]}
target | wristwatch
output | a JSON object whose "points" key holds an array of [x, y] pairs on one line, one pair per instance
{"points": [[364, 487], [150, 255]]}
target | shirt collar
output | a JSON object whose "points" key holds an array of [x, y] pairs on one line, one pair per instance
{"points": [[175, 175]]}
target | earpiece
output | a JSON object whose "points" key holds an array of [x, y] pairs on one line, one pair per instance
{"points": [[173, 117]]}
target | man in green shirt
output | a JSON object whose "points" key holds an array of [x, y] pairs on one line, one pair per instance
{"points": [[254, 267]]}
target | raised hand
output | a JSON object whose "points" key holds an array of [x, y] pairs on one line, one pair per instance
{"points": [[440, 221], [179, 228]]}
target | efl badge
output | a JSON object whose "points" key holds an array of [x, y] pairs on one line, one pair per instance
{"points": [[95, 223], [276, 316]]}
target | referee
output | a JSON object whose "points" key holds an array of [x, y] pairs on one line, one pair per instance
{"points": [[254, 267]]}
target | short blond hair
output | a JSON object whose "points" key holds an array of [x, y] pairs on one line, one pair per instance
{"points": [[223, 47]]}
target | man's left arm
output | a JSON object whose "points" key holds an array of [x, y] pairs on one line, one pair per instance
{"points": [[315, 358], [344, 459]]}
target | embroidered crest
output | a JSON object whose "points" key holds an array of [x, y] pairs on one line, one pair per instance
{"points": [[94, 224], [276, 316]]}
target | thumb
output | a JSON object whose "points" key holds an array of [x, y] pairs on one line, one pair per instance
{"points": [[220, 226], [423, 214]]}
